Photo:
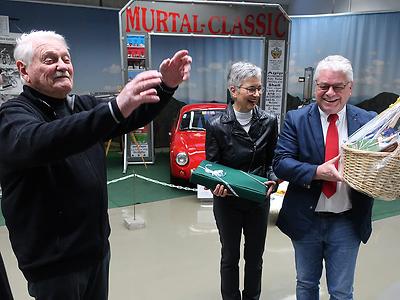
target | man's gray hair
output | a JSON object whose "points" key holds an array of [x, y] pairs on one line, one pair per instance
{"points": [[240, 71], [336, 63], [24, 48]]}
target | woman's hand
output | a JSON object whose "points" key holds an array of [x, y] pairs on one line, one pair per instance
{"points": [[220, 191], [271, 187]]}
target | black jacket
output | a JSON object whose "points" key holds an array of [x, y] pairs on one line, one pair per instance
{"points": [[53, 178], [229, 144]]}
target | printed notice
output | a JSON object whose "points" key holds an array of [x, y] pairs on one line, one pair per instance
{"points": [[275, 75], [140, 150]]}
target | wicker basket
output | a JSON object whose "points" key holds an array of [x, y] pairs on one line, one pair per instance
{"points": [[361, 173]]}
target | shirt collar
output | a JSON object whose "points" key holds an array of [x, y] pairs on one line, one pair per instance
{"points": [[341, 114]]}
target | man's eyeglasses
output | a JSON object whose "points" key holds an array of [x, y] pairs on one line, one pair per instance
{"points": [[337, 88], [252, 90]]}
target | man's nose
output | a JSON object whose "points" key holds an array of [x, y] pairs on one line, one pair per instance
{"points": [[330, 91], [61, 65]]}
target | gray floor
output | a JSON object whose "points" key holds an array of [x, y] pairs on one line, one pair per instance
{"points": [[176, 257]]}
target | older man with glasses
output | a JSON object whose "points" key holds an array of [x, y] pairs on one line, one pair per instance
{"points": [[325, 219]]}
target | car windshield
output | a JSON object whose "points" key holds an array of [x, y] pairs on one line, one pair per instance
{"points": [[196, 119]]}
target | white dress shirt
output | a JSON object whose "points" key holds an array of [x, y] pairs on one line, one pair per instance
{"points": [[340, 201]]}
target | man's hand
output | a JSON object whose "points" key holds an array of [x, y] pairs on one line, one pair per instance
{"points": [[327, 171], [270, 184], [139, 90], [176, 69]]}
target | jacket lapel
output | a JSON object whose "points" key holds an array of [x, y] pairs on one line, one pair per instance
{"points": [[314, 119], [353, 123]]}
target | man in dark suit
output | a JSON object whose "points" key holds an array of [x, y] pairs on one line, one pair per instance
{"points": [[325, 219]]}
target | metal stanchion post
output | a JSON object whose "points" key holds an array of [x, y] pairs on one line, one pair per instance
{"points": [[133, 222]]}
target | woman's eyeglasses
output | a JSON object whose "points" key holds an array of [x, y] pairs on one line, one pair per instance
{"points": [[253, 90]]}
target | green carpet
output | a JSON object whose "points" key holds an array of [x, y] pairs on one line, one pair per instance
{"points": [[135, 190], [385, 209]]}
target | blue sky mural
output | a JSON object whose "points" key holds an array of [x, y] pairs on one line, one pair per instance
{"points": [[212, 58], [92, 34], [370, 41]]}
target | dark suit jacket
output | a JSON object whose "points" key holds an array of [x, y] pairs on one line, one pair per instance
{"points": [[299, 151]]}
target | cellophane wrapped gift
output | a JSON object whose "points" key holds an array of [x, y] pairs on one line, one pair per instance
{"points": [[371, 156], [239, 183]]}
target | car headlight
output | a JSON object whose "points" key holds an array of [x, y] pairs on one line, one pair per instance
{"points": [[182, 158]]}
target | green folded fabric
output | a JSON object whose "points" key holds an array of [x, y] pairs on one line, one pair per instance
{"points": [[239, 183]]}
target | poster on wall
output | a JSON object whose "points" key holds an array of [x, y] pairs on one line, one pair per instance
{"points": [[136, 55], [10, 82]]}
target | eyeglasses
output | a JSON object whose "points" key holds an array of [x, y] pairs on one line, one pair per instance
{"points": [[252, 90], [337, 88]]}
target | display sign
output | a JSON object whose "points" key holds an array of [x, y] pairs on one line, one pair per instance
{"points": [[206, 18], [275, 76], [139, 143], [136, 54], [269, 22], [139, 146]]}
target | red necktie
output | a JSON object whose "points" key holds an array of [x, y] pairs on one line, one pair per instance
{"points": [[331, 151]]}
